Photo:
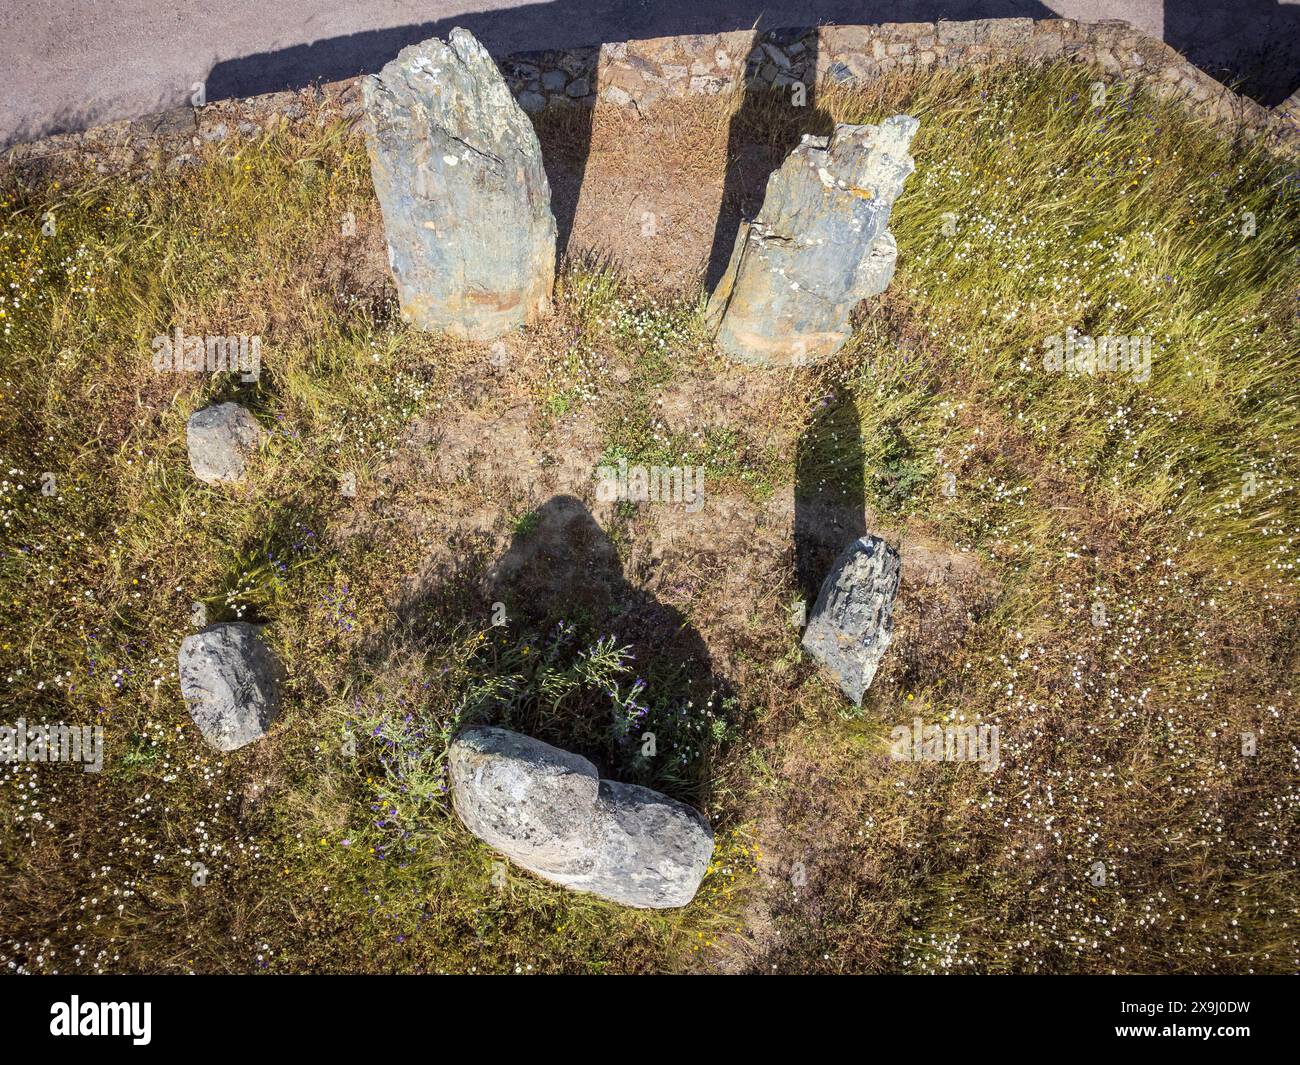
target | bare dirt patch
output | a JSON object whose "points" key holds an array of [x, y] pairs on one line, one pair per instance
{"points": [[660, 194]]}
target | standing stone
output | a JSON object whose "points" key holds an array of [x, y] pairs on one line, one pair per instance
{"points": [[220, 441], [230, 681], [852, 623], [819, 245], [547, 810], [458, 171]]}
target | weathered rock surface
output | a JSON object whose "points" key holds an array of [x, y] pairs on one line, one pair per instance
{"points": [[466, 205], [819, 245], [548, 811], [221, 440], [524, 797], [852, 622], [230, 680]]}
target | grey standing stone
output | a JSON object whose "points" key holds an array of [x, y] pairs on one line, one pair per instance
{"points": [[652, 851], [230, 681], [819, 245], [852, 623], [548, 811], [458, 171], [220, 440]]}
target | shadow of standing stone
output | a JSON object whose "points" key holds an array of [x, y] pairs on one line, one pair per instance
{"points": [[564, 568], [830, 492]]}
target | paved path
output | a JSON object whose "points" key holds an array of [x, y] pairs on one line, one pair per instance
{"points": [[67, 64]]}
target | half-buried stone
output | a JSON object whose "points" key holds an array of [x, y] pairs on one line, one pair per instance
{"points": [[230, 680], [852, 623], [221, 440], [548, 810]]}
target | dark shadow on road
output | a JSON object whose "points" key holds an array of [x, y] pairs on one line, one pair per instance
{"points": [[1254, 44], [574, 23]]}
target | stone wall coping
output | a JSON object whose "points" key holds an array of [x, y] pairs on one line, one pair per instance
{"points": [[637, 74]]}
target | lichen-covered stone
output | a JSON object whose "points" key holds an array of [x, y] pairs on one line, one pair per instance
{"points": [[220, 441], [852, 622], [547, 810], [819, 245], [458, 171], [230, 682]]}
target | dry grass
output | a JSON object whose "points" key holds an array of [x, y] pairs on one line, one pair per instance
{"points": [[1120, 741]]}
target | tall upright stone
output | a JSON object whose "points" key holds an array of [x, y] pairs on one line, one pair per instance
{"points": [[819, 245], [466, 205]]}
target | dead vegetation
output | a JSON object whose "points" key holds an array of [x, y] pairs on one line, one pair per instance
{"points": [[1121, 740]]}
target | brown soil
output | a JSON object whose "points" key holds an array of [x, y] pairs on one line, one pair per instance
{"points": [[660, 195]]}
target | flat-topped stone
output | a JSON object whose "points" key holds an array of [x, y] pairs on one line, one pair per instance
{"points": [[230, 681]]}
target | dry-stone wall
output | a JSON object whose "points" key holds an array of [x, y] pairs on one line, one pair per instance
{"points": [[639, 73]]}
